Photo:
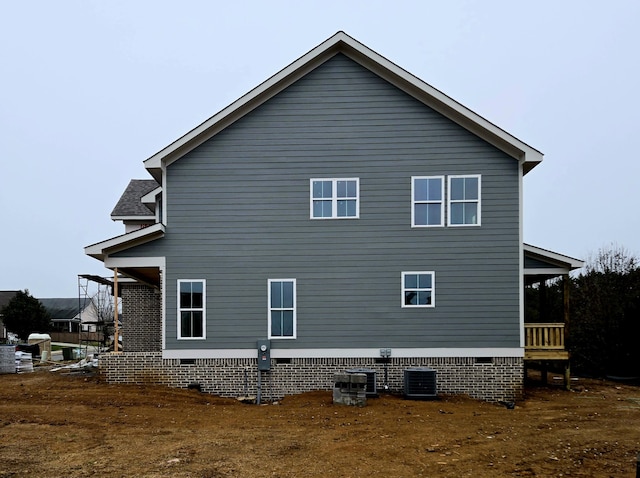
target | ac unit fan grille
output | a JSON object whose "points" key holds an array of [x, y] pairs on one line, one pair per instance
{"points": [[371, 390], [420, 383]]}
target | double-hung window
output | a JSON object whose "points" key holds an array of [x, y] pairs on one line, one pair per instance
{"points": [[418, 289], [427, 193], [464, 200], [191, 309], [282, 308], [335, 198]]}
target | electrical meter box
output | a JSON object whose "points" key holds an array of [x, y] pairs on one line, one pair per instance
{"points": [[264, 355]]}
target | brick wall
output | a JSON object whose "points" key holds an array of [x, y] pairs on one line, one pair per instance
{"points": [[490, 379], [141, 308]]}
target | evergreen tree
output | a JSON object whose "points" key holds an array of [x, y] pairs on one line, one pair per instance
{"points": [[605, 320], [24, 315]]}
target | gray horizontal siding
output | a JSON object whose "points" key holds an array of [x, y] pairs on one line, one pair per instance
{"points": [[238, 214]]}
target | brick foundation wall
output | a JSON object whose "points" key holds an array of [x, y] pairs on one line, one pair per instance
{"points": [[494, 379], [141, 307]]}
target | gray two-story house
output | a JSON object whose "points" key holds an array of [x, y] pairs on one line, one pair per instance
{"points": [[345, 214]]}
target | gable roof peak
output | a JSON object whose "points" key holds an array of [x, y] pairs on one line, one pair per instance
{"points": [[341, 42]]}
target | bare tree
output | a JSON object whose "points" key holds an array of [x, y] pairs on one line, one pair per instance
{"points": [[105, 304], [612, 259]]}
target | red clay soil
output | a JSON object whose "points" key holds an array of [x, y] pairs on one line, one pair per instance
{"points": [[54, 425]]}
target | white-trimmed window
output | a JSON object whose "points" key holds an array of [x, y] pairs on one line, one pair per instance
{"points": [[418, 289], [427, 198], [464, 200], [282, 308], [191, 309], [335, 198]]}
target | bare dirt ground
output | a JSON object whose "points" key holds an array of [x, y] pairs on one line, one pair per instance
{"points": [[52, 425]]}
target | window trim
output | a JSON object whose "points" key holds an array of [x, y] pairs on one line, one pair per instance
{"points": [[414, 202], [294, 309], [334, 198], [432, 289], [456, 201], [203, 309]]}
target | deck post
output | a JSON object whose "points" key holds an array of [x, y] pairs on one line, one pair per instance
{"points": [[565, 295], [567, 376], [565, 303]]}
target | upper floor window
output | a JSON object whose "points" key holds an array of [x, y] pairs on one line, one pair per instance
{"points": [[418, 289], [427, 193], [335, 198], [191, 309], [464, 200], [282, 308]]}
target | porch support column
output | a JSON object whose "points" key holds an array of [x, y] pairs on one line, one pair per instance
{"points": [[116, 331], [543, 303]]}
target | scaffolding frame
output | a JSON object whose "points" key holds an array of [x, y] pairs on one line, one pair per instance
{"points": [[106, 287]]}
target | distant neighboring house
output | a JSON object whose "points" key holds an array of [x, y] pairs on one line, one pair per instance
{"points": [[344, 214], [5, 298], [70, 317]]}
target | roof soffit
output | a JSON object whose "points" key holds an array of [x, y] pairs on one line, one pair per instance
{"points": [[552, 258], [343, 43], [102, 249]]}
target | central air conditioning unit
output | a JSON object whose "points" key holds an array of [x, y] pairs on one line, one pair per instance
{"points": [[371, 389], [420, 383]]}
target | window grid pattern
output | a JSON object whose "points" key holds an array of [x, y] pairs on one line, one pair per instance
{"points": [[464, 200], [191, 309], [335, 198], [282, 308], [418, 289], [427, 194]]}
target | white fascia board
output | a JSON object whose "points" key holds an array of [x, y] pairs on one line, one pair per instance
{"points": [[344, 353], [150, 197], [444, 104], [343, 43], [546, 271], [124, 241], [133, 218], [123, 262], [567, 261], [521, 306], [242, 106]]}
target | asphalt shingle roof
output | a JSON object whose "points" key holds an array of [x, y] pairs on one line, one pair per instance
{"points": [[63, 308], [6, 296], [129, 203]]}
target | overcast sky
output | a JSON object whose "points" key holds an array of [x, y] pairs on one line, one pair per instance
{"points": [[90, 89]]}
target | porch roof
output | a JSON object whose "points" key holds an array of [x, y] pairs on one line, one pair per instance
{"points": [[541, 264]]}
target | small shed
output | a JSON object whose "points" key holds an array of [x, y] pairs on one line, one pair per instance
{"points": [[44, 342]]}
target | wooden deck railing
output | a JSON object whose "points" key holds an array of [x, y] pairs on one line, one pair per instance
{"points": [[544, 336]]}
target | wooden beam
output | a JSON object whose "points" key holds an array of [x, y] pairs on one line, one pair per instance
{"points": [[533, 355]]}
